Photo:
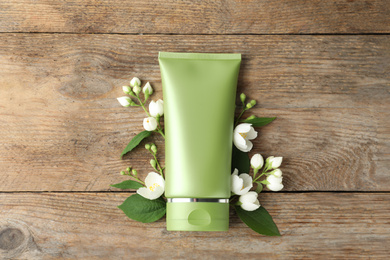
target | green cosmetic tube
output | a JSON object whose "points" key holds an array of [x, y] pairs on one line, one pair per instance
{"points": [[199, 92]]}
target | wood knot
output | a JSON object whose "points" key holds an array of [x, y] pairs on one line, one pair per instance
{"points": [[85, 87], [11, 238], [16, 239]]}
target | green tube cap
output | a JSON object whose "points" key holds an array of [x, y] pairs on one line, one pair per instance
{"points": [[197, 216]]}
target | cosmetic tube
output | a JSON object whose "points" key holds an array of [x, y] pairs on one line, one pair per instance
{"points": [[199, 92]]}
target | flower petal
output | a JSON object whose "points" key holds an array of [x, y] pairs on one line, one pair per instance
{"points": [[276, 162], [249, 197], [244, 191], [252, 134], [247, 148], [247, 180], [274, 180], [158, 191], [124, 101], [238, 139], [144, 192], [237, 183], [275, 186], [154, 177], [250, 206], [153, 108], [243, 128]]}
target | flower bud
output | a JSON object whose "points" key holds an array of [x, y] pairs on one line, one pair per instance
{"points": [[134, 172], [153, 148], [242, 97], [150, 124], [257, 161], [137, 89], [277, 173], [249, 201], [147, 89], [156, 108], [135, 82], [153, 163], [128, 169], [274, 162], [123, 173], [249, 105], [127, 90], [253, 102], [125, 101], [251, 117], [274, 183], [147, 146]]}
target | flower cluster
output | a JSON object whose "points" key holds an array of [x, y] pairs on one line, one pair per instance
{"points": [[156, 108], [243, 183], [154, 184], [244, 199]]}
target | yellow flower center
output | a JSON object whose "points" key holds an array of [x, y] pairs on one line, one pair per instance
{"points": [[243, 135], [242, 187], [147, 120], [154, 186]]}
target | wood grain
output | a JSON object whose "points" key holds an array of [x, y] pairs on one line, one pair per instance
{"points": [[196, 17], [88, 225], [63, 130]]}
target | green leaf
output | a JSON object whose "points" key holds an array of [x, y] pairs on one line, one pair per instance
{"points": [[129, 184], [258, 220], [144, 210], [240, 160], [259, 121], [135, 141]]}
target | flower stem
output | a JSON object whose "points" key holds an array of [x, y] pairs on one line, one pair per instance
{"points": [[159, 166], [143, 105], [161, 132], [160, 169], [263, 172], [137, 179], [238, 118]]}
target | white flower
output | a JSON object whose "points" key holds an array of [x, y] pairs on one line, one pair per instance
{"points": [[274, 162], [150, 123], [148, 88], [135, 82], [240, 184], [137, 89], [154, 186], [257, 161], [126, 89], [277, 173], [249, 201], [242, 134], [125, 101], [156, 108], [275, 183]]}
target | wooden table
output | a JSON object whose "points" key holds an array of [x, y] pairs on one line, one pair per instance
{"points": [[321, 67]]}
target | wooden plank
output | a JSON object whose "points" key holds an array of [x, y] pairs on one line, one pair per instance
{"points": [[313, 225], [62, 129], [196, 17]]}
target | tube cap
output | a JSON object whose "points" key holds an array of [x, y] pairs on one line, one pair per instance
{"points": [[197, 216]]}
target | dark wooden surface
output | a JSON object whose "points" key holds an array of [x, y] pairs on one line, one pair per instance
{"points": [[321, 67]]}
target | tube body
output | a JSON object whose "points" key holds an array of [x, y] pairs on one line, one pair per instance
{"points": [[199, 92]]}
